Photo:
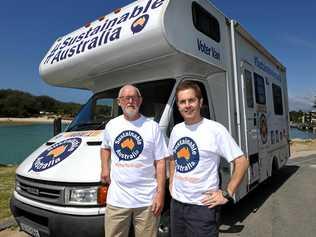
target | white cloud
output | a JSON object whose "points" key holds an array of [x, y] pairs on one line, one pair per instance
{"points": [[297, 41], [304, 103]]}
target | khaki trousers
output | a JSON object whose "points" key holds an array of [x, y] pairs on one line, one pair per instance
{"points": [[118, 221]]}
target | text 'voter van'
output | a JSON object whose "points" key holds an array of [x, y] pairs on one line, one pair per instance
{"points": [[153, 44]]}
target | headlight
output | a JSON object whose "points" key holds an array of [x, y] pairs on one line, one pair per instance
{"points": [[81, 196], [17, 186]]}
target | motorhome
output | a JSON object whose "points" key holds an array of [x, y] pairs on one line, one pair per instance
{"points": [[153, 44]]}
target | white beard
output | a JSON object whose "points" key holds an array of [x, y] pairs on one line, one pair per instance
{"points": [[130, 112]]}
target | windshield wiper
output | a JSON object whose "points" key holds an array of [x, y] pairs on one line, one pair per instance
{"points": [[87, 124]]}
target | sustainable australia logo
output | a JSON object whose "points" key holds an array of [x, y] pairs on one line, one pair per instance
{"points": [[128, 145], [186, 154], [139, 24], [55, 154]]}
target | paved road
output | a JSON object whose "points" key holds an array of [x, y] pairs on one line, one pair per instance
{"points": [[285, 206]]}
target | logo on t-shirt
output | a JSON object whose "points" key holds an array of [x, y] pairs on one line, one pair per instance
{"points": [[55, 154], [186, 154], [128, 145]]}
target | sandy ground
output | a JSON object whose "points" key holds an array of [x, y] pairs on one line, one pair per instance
{"points": [[301, 148], [44, 119], [12, 233]]}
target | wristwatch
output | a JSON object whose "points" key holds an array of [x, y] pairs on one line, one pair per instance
{"points": [[226, 195]]}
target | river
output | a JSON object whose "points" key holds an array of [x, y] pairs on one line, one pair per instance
{"points": [[18, 141]]}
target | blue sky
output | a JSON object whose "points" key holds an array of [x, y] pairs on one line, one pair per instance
{"points": [[28, 28]]}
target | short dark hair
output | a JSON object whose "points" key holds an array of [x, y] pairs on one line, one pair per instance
{"points": [[185, 85]]}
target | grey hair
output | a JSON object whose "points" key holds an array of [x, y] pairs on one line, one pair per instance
{"points": [[129, 85]]}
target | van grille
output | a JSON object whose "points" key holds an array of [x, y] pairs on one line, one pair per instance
{"points": [[38, 191]]}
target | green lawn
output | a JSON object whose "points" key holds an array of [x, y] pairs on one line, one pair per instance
{"points": [[7, 175]]}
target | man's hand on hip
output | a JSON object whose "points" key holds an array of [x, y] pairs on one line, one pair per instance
{"points": [[214, 198]]}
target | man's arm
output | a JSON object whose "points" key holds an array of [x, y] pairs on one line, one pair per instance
{"points": [[216, 198], [105, 155], [158, 203], [172, 166], [241, 165]]}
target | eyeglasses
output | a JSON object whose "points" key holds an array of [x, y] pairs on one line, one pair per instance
{"points": [[128, 98]]}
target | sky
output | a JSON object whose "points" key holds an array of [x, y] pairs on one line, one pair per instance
{"points": [[29, 28]]}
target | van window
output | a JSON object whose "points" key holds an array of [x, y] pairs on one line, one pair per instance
{"points": [[260, 89], [103, 106], [249, 90], [205, 22], [277, 99], [155, 97]]}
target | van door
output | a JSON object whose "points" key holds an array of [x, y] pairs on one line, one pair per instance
{"points": [[260, 85], [251, 123]]}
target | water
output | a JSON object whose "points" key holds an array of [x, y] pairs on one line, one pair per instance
{"points": [[302, 134], [18, 141]]}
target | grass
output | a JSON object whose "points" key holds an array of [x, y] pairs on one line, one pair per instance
{"points": [[7, 177]]}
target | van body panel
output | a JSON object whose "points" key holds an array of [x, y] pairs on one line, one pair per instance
{"points": [[84, 160]]}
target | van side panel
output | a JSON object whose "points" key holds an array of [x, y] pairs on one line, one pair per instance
{"points": [[187, 39], [271, 126]]}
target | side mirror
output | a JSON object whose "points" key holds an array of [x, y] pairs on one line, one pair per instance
{"points": [[57, 126]]}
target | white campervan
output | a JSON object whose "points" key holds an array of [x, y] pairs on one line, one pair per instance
{"points": [[153, 44]]}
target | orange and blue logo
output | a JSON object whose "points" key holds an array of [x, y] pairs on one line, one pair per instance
{"points": [[186, 154], [128, 145], [264, 129], [55, 154], [139, 24]]}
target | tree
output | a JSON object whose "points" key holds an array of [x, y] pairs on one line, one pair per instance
{"points": [[14, 103], [295, 116]]}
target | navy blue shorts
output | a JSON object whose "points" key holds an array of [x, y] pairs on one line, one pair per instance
{"points": [[188, 220]]}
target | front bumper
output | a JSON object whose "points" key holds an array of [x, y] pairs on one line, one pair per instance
{"points": [[46, 223]]}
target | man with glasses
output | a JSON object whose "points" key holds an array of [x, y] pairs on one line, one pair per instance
{"points": [[136, 148], [196, 146]]}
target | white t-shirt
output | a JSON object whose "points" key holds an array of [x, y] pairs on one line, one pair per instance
{"points": [[197, 150], [135, 145]]}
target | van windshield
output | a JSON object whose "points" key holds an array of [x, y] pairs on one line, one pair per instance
{"points": [[103, 106]]}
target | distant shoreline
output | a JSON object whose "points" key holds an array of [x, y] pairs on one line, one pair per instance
{"points": [[30, 120]]}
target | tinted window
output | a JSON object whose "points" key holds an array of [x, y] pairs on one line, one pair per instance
{"points": [[249, 92], [260, 89], [155, 96], [277, 99], [205, 22]]}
